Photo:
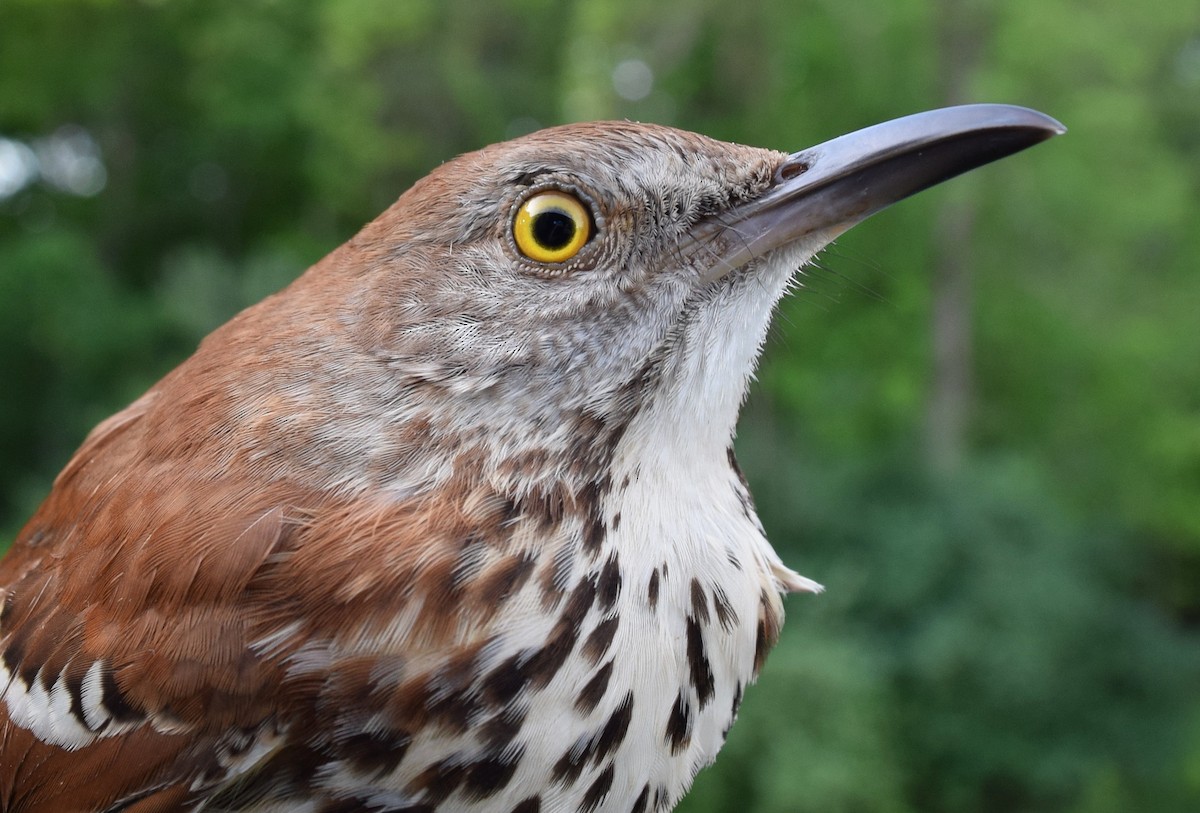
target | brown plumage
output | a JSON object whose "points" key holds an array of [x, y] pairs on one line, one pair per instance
{"points": [[451, 522]]}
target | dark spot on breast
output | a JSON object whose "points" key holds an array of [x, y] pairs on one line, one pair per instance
{"points": [[596, 746], [545, 663], [531, 805], [486, 776], [733, 560], [725, 612], [679, 725], [506, 680], [609, 583], [598, 790], [570, 765], [642, 801], [439, 780], [698, 665], [594, 533], [699, 602], [600, 639], [593, 692], [499, 732], [614, 731], [616, 521], [652, 589], [375, 753], [579, 604]]}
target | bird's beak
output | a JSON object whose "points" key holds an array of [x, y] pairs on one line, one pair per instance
{"points": [[826, 189]]}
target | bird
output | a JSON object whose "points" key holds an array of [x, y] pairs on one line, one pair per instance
{"points": [[453, 522]]}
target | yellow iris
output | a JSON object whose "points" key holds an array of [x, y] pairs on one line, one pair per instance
{"points": [[551, 227]]}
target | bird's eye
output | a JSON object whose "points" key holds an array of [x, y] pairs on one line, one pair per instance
{"points": [[551, 227]]}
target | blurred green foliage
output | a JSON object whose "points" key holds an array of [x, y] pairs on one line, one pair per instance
{"points": [[1017, 633]]}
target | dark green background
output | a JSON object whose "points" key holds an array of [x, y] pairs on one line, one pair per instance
{"points": [[1011, 541]]}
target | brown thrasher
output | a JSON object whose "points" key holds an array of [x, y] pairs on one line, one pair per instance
{"points": [[453, 522]]}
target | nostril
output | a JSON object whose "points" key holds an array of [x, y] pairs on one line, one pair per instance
{"points": [[793, 169]]}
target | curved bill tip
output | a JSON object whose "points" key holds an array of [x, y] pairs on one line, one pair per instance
{"points": [[973, 134], [832, 186]]}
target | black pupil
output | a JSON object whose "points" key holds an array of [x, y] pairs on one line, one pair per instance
{"points": [[553, 229]]}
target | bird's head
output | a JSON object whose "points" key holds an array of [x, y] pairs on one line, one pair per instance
{"points": [[551, 271]]}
